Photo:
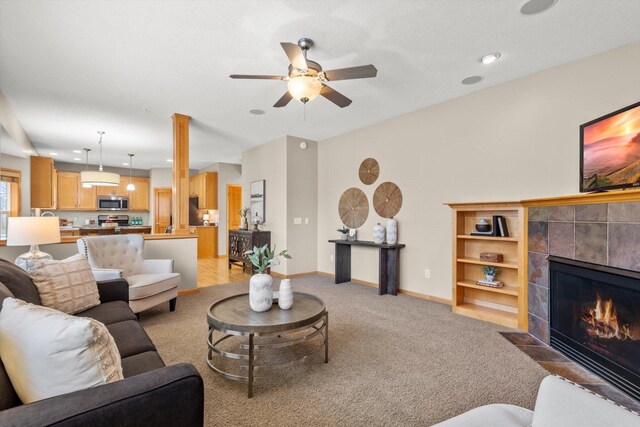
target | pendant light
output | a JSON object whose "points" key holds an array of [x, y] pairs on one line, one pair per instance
{"points": [[130, 186], [100, 178], [86, 168]]}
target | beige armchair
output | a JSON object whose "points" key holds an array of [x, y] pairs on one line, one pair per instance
{"points": [[151, 281]]}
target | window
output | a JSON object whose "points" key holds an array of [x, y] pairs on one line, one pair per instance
{"points": [[9, 198]]}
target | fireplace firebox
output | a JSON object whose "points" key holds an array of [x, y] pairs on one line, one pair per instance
{"points": [[595, 319]]}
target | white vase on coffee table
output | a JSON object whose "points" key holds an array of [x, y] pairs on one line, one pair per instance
{"points": [[261, 292], [285, 295]]}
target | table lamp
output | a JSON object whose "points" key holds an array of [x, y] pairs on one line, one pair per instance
{"points": [[32, 231], [205, 219]]}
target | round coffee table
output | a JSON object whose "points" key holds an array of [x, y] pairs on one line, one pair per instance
{"points": [[232, 316]]}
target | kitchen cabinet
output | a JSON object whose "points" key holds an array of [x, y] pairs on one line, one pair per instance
{"points": [[204, 186], [207, 241], [43, 183], [71, 194], [139, 198]]}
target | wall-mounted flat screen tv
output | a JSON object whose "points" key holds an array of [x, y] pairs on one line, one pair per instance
{"points": [[610, 151]]}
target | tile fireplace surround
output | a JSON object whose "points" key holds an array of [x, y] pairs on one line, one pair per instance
{"points": [[600, 233]]}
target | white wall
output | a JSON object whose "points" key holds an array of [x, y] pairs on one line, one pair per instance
{"points": [[302, 202], [269, 162], [514, 141]]}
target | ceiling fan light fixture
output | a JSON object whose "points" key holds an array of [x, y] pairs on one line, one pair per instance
{"points": [[304, 88]]}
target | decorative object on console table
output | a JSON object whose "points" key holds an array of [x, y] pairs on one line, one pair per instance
{"points": [[353, 235], [257, 200], [378, 234], [285, 295], [244, 222], [344, 233], [256, 220], [261, 284], [32, 231], [241, 241], [392, 231]]}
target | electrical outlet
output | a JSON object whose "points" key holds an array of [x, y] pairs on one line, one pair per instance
{"points": [[427, 274], [331, 258], [306, 220]]}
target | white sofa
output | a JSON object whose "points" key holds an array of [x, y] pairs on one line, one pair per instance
{"points": [[151, 281], [560, 403]]}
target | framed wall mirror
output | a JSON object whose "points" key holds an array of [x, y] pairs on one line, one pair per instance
{"points": [[257, 199]]}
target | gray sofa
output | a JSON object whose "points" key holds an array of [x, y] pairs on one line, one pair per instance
{"points": [[150, 394]]}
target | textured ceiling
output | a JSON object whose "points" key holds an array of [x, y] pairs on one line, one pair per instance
{"points": [[70, 68]]}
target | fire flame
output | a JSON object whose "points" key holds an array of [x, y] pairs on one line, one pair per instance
{"points": [[603, 321]]}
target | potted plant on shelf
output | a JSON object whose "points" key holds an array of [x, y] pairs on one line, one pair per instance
{"points": [[244, 223], [490, 272], [261, 284], [344, 233]]}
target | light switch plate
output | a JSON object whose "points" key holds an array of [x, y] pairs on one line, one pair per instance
{"points": [[297, 221]]}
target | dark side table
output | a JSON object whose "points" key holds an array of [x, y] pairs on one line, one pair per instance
{"points": [[388, 268]]}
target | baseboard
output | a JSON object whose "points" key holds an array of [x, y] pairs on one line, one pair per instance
{"points": [[188, 292], [291, 276], [402, 291]]}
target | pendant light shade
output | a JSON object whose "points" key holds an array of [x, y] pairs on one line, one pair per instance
{"points": [[99, 178], [130, 186]]}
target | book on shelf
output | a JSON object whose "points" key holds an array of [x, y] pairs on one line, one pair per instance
{"points": [[502, 224], [490, 283]]}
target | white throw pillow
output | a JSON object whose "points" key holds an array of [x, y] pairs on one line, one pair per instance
{"points": [[47, 353], [67, 285]]}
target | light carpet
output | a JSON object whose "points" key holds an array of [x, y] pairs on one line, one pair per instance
{"points": [[392, 361]]}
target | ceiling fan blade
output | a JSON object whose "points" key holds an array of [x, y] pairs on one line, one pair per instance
{"points": [[361, 72], [250, 76], [284, 100], [295, 55], [336, 97]]}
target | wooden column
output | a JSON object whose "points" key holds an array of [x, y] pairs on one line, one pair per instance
{"points": [[180, 176]]}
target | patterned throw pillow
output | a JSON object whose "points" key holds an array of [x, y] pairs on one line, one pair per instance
{"points": [[47, 353], [67, 285]]}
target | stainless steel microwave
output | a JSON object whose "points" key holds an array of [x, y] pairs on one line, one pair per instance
{"points": [[113, 203]]}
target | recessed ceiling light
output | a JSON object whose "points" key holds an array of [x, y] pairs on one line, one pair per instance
{"points": [[471, 80], [125, 164], [77, 151], [170, 160], [534, 7], [77, 159], [492, 57], [257, 111], [53, 154]]}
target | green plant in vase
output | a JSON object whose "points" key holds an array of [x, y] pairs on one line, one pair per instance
{"points": [[344, 233], [490, 272], [244, 213], [261, 284]]}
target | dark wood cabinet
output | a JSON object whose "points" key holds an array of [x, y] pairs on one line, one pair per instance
{"points": [[241, 241]]}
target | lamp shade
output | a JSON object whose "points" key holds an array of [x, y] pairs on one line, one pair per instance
{"points": [[304, 88], [100, 179], [32, 230], [205, 217]]}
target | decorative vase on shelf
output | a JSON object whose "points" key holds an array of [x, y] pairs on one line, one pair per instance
{"points": [[378, 234], [392, 231], [285, 295], [490, 277], [260, 292]]}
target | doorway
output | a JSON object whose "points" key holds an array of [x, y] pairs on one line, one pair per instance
{"points": [[162, 209], [234, 206]]}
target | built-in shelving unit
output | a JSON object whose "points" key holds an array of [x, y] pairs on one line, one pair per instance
{"points": [[507, 305]]}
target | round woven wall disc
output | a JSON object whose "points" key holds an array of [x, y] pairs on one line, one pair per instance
{"points": [[369, 171], [353, 208], [387, 200]]}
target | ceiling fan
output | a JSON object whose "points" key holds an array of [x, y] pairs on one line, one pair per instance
{"points": [[306, 79]]}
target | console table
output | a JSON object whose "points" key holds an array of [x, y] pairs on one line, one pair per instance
{"points": [[388, 269]]}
